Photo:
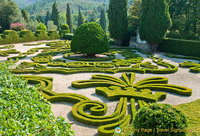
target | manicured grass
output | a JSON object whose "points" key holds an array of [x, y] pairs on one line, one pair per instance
{"points": [[192, 112]]}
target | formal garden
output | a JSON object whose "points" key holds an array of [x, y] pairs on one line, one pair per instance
{"points": [[89, 82]]}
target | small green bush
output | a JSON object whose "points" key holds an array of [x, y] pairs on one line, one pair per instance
{"points": [[53, 34], [68, 36], [41, 35], [42, 27], [26, 36], [163, 117], [10, 36], [64, 30], [64, 27], [90, 39], [179, 46]]}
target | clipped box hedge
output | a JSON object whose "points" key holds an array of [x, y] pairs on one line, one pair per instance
{"points": [[179, 46], [11, 36], [68, 36], [27, 36]]}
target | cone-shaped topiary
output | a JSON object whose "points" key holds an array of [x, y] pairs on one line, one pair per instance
{"points": [[89, 38], [160, 120]]}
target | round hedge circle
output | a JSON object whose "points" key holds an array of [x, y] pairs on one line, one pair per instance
{"points": [[90, 39], [160, 120]]}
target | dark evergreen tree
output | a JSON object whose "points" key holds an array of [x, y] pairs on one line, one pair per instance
{"points": [[118, 21], [39, 18], [154, 22], [103, 20], [80, 18], [25, 14], [47, 18], [55, 14], [69, 18]]}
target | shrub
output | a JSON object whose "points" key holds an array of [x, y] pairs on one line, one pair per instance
{"points": [[10, 36], [68, 36], [51, 26], [41, 35], [64, 27], [179, 46], [24, 111], [26, 36], [90, 38], [42, 27], [64, 30], [17, 26], [53, 34], [155, 117]]}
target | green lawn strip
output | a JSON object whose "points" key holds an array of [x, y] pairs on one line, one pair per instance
{"points": [[192, 111]]}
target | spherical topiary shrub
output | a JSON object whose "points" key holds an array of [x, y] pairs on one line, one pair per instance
{"points": [[159, 120], [89, 38], [64, 27], [42, 27]]}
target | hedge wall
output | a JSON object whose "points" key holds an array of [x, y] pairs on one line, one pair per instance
{"points": [[179, 46], [11, 36]]}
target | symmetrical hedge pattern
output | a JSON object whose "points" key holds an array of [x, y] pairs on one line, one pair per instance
{"points": [[117, 89], [141, 90], [110, 87]]}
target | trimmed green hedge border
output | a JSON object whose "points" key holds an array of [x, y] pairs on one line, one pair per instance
{"points": [[179, 46], [11, 36]]}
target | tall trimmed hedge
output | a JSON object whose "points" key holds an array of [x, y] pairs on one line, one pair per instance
{"points": [[11, 36], [26, 36], [179, 46]]}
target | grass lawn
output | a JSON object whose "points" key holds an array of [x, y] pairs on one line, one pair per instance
{"points": [[192, 112]]}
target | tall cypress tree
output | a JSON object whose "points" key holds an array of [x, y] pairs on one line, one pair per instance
{"points": [[25, 15], [103, 20], [55, 14], [118, 21], [69, 19], [47, 18], [154, 21], [80, 18]]}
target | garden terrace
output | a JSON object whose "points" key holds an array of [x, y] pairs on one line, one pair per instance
{"points": [[97, 95]]}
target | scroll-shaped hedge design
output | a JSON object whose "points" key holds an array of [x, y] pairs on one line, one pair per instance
{"points": [[141, 90], [194, 67], [106, 123]]}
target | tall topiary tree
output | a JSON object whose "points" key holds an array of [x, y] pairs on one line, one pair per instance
{"points": [[25, 15], [155, 21], [55, 14], [47, 17], [103, 20], [69, 18], [118, 22], [90, 39], [80, 18]]}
